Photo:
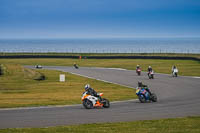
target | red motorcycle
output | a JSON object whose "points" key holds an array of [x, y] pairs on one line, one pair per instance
{"points": [[138, 71]]}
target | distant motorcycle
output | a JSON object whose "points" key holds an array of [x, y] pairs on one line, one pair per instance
{"points": [[138, 71], [151, 74], [38, 66], [144, 96], [175, 72], [76, 66], [90, 101]]}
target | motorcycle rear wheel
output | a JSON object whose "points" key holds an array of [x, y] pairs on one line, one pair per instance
{"points": [[153, 97], [106, 103]]}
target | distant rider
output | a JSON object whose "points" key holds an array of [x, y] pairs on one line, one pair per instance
{"points": [[137, 67], [143, 86], [75, 65], [173, 68], [149, 70]]}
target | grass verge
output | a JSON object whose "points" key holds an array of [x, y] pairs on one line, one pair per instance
{"points": [[19, 89], [175, 125]]}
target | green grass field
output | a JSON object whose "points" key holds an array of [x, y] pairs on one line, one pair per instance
{"points": [[186, 67], [18, 88], [175, 125]]}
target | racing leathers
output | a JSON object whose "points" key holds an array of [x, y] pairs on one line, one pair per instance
{"points": [[92, 92], [149, 70], [145, 87]]}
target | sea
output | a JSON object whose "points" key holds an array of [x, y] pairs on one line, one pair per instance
{"points": [[102, 45]]}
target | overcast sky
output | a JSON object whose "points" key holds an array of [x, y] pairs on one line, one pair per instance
{"points": [[99, 18]]}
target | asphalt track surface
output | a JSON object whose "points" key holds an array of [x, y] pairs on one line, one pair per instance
{"points": [[177, 97]]}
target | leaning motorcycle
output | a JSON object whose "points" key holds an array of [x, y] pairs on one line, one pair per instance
{"points": [[76, 66], [144, 96], [90, 101]]}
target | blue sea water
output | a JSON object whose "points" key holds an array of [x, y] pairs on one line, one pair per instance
{"points": [[108, 45]]}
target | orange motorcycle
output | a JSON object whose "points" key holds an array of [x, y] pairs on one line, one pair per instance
{"points": [[90, 101]]}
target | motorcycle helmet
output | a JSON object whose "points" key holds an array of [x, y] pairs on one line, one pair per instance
{"points": [[149, 66], [139, 84], [174, 67], [87, 86]]}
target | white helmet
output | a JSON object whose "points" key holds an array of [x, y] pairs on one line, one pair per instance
{"points": [[87, 86], [149, 66]]}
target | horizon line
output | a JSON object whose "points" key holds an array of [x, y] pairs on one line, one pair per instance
{"points": [[111, 37]]}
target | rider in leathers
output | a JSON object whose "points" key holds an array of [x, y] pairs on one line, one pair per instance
{"points": [[173, 68], [141, 86], [91, 91], [149, 70], [137, 67]]}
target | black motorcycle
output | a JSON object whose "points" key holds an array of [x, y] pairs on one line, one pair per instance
{"points": [[76, 66]]}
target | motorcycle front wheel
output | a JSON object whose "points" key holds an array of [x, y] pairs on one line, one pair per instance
{"points": [[138, 73], [153, 97], [176, 74], [142, 98], [87, 104]]}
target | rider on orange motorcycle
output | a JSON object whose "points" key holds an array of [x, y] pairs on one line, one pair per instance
{"points": [[91, 91]]}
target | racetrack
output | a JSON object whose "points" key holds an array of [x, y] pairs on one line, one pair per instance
{"points": [[177, 97]]}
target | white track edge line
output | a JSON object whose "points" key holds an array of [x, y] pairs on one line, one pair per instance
{"points": [[59, 106], [101, 80]]}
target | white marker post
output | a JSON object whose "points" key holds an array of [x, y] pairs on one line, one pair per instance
{"points": [[62, 77]]}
